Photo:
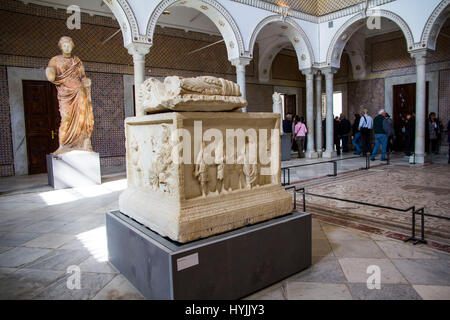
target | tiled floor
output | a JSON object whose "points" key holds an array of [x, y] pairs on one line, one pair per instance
{"points": [[341, 257], [42, 233]]}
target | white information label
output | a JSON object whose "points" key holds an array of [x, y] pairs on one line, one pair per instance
{"points": [[187, 262]]}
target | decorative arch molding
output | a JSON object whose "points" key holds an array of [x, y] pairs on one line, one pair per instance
{"points": [[127, 21], [216, 13], [344, 33], [434, 24], [267, 57], [295, 37]]}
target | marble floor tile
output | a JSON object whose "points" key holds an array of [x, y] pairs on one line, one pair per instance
{"points": [[91, 284], [42, 227], [433, 292], [317, 233], [4, 249], [60, 259], [15, 239], [425, 271], [355, 270], [356, 249], [316, 291], [24, 283], [320, 247], [325, 270], [397, 249], [75, 228], [49, 240], [360, 291], [274, 292], [119, 289], [93, 265], [339, 233], [20, 256]]}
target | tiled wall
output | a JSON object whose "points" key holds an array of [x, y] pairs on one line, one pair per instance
{"points": [[6, 152], [444, 97], [366, 94]]}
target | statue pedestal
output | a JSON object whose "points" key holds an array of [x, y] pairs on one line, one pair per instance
{"points": [[286, 145], [229, 266], [178, 201], [74, 169]]}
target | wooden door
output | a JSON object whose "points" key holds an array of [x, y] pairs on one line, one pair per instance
{"points": [[290, 106], [404, 102], [41, 122]]}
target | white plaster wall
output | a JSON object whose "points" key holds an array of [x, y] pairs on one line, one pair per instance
{"points": [[326, 35]]}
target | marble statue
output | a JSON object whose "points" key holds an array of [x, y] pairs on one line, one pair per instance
{"points": [[277, 108], [190, 94], [74, 96]]}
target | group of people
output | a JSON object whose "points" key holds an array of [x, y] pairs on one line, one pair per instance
{"points": [[361, 130], [297, 129], [383, 128]]}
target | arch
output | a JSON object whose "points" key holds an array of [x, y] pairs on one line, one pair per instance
{"points": [[434, 24], [127, 21], [296, 36], [267, 56], [344, 33], [216, 13]]}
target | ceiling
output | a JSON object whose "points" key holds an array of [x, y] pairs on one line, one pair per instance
{"points": [[315, 7]]}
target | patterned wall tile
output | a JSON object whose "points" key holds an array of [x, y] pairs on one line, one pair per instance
{"points": [[6, 151]]}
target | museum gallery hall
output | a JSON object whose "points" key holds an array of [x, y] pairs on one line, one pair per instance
{"points": [[225, 150]]}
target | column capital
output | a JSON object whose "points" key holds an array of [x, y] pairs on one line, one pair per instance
{"points": [[329, 71], [138, 49], [420, 56], [309, 73], [240, 63]]}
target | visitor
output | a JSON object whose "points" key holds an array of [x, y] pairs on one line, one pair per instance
{"points": [[365, 128], [287, 124], [345, 128], [388, 126], [410, 134], [433, 132], [300, 137], [294, 142], [337, 135], [356, 137], [380, 136]]}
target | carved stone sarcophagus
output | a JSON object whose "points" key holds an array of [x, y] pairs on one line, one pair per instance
{"points": [[195, 174]]}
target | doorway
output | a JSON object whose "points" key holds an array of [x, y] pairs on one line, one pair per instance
{"points": [[290, 105], [404, 96], [42, 120]]}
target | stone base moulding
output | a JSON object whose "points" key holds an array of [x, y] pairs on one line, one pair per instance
{"points": [[231, 265], [74, 169]]}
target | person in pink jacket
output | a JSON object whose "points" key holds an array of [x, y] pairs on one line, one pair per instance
{"points": [[300, 131]]}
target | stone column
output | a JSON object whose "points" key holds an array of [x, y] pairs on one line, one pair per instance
{"points": [[329, 150], [310, 150], [420, 59], [240, 64], [319, 140], [138, 51]]}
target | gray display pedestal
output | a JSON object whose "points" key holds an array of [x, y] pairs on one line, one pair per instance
{"points": [[74, 169], [285, 147], [231, 265]]}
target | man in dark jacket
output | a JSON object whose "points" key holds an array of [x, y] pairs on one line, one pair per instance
{"points": [[380, 136], [337, 135], [410, 134], [448, 134], [345, 128]]}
